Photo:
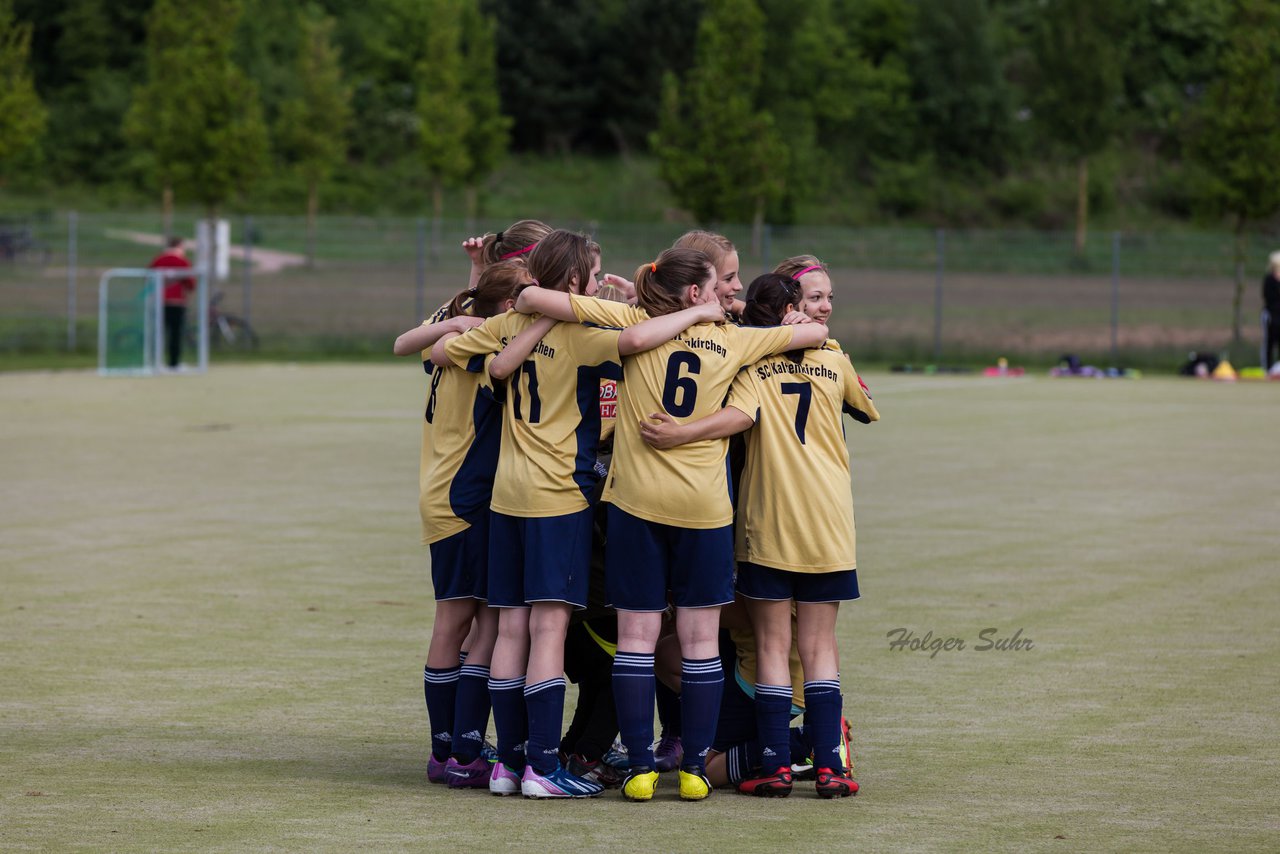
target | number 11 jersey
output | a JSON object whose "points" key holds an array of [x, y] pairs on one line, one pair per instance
{"points": [[551, 425]]}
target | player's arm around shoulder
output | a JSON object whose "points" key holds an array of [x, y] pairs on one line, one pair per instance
{"points": [[659, 330], [518, 348], [467, 350], [425, 336]]}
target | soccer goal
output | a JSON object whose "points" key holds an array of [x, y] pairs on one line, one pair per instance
{"points": [[131, 333]]}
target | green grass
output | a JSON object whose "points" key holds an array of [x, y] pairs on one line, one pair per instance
{"points": [[215, 612]]}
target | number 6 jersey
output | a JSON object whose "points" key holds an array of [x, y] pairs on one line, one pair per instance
{"points": [[688, 378], [551, 424]]}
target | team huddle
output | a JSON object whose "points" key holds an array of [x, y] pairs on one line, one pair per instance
{"points": [[642, 486]]}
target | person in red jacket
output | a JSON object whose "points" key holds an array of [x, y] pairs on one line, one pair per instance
{"points": [[175, 296]]}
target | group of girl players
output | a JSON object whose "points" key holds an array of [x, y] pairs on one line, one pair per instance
{"points": [[643, 485]]}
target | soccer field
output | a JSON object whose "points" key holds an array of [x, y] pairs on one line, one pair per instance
{"points": [[214, 613]]}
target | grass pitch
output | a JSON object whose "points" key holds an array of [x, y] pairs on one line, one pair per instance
{"points": [[214, 612]]}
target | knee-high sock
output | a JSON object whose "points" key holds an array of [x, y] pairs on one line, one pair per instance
{"points": [[823, 704], [773, 724], [633, 690], [545, 703], [701, 685], [507, 696], [471, 712], [440, 688]]}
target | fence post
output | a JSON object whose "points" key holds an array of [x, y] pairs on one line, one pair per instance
{"points": [[941, 251], [72, 226], [248, 267], [766, 246], [420, 280], [1115, 299]]}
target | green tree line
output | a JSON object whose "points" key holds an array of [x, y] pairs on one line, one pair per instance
{"points": [[951, 112]]}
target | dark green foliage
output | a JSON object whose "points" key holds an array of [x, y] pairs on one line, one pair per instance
{"points": [[964, 103], [1236, 131], [488, 131], [197, 115], [723, 156], [22, 116]]}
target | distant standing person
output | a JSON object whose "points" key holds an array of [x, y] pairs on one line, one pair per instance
{"points": [[175, 296], [1271, 303]]}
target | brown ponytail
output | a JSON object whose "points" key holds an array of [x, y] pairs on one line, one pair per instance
{"points": [[562, 256], [515, 241], [498, 283], [660, 285]]}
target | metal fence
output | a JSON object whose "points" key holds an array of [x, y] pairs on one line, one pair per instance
{"points": [[901, 294]]}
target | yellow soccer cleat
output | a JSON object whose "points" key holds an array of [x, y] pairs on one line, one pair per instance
{"points": [[694, 787], [846, 747], [640, 784]]}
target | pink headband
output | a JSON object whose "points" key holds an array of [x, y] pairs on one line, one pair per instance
{"points": [[806, 270], [518, 251]]}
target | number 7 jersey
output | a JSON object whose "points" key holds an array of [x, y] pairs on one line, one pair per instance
{"points": [[795, 510], [551, 425], [688, 378]]}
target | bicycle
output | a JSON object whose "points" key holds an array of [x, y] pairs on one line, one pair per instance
{"points": [[226, 329]]}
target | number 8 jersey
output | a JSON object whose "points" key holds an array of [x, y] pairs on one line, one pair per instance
{"points": [[688, 378], [551, 425]]}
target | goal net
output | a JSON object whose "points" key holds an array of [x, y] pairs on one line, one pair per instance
{"points": [[131, 322]]}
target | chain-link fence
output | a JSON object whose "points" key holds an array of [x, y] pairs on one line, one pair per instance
{"points": [[913, 295]]}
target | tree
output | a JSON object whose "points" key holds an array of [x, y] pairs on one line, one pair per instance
{"points": [[1078, 83], [547, 50], [198, 115], [94, 67], [489, 130], [964, 102], [720, 153], [22, 115], [444, 120], [1236, 133], [312, 131]]}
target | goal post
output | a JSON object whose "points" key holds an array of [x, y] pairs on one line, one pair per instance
{"points": [[131, 333]]}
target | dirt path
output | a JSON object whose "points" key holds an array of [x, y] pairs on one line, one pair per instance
{"points": [[264, 260]]}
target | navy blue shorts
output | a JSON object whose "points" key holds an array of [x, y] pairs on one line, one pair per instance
{"points": [[775, 585], [459, 563], [539, 559], [643, 560]]}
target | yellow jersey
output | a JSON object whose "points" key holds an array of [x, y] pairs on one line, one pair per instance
{"points": [[551, 421], [460, 431], [460, 438], [688, 378], [795, 507]]}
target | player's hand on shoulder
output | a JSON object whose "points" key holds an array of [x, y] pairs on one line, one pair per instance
{"points": [[710, 312], [792, 318], [463, 322]]}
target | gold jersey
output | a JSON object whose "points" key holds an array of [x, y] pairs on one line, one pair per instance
{"points": [[688, 378], [460, 437], [795, 508], [551, 422]]}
